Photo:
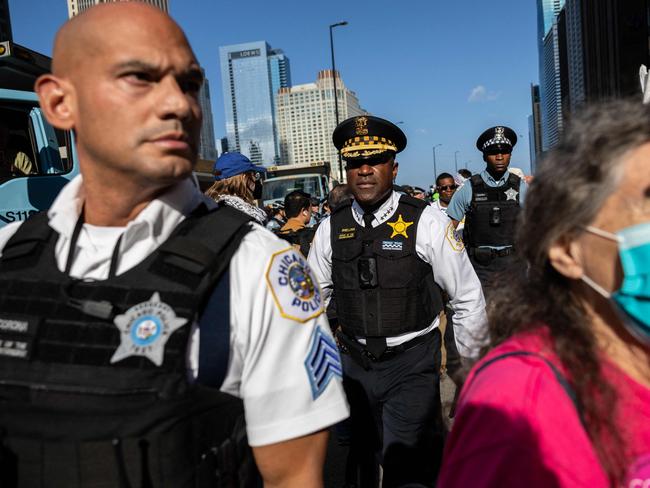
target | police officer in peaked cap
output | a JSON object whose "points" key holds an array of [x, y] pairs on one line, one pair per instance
{"points": [[490, 204], [386, 258]]}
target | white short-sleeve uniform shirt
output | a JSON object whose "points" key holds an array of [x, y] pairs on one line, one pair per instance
{"points": [[278, 339]]}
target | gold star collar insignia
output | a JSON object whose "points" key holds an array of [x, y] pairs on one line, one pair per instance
{"points": [[399, 227]]}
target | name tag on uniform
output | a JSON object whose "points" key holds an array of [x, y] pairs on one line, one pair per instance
{"points": [[17, 334], [347, 233], [481, 197]]}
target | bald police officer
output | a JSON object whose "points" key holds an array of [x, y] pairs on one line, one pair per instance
{"points": [[490, 203], [387, 257], [136, 309]]}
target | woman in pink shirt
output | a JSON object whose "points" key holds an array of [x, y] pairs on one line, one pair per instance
{"points": [[562, 398]]}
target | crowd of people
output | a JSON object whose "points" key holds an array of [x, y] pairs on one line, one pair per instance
{"points": [[152, 335]]}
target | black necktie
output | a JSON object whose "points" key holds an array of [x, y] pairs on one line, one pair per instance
{"points": [[367, 220]]}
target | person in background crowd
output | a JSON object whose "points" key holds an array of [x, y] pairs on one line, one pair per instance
{"points": [[562, 398], [462, 176], [338, 195], [276, 217], [139, 320], [490, 203], [298, 208], [386, 257], [238, 183], [445, 187], [419, 193], [316, 216]]}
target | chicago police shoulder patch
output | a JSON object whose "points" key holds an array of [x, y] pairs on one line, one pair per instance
{"points": [[293, 286], [451, 234], [323, 362]]}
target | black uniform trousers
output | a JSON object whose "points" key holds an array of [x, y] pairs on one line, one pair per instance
{"points": [[396, 418]]}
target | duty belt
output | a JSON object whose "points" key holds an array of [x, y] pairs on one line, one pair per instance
{"points": [[494, 253], [363, 357]]}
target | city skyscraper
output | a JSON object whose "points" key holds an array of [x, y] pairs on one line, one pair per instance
{"points": [[5, 22], [550, 82], [534, 128], [607, 41], [207, 149], [77, 6], [251, 75], [590, 50], [306, 120]]}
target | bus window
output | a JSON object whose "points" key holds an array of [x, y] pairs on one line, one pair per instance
{"points": [[16, 151], [27, 149]]}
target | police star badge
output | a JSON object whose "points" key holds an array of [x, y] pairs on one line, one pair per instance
{"points": [[511, 194], [145, 328], [399, 227]]}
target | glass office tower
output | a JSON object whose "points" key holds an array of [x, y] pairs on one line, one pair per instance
{"points": [[251, 75]]}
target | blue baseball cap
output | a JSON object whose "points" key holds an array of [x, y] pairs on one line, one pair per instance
{"points": [[232, 164]]}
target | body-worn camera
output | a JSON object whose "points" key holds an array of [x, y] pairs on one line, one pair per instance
{"points": [[495, 216], [367, 266]]}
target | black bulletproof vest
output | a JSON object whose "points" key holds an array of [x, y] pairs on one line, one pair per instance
{"points": [[492, 218], [69, 416], [382, 288]]}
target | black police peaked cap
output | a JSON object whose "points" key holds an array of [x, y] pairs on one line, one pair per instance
{"points": [[499, 137], [366, 136]]}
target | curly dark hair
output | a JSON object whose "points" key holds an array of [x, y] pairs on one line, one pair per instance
{"points": [[568, 191]]}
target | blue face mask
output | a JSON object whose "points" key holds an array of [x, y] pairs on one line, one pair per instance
{"points": [[632, 299]]}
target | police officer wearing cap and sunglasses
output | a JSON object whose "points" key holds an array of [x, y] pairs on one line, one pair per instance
{"points": [[387, 257], [490, 202]]}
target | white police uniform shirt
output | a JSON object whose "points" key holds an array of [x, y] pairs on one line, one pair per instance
{"points": [[461, 224], [436, 244], [269, 353]]}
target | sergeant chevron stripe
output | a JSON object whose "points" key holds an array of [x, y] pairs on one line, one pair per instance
{"points": [[323, 362]]}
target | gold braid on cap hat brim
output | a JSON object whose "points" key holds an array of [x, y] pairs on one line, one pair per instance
{"points": [[366, 146]]}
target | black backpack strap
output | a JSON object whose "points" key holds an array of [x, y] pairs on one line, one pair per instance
{"points": [[561, 379], [214, 344]]}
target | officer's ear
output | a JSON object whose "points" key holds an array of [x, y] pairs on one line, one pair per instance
{"points": [[566, 257], [395, 167], [485, 157], [56, 97]]}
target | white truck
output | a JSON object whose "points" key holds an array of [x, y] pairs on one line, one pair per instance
{"points": [[312, 178]]}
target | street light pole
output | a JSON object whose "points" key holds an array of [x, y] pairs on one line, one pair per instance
{"points": [[336, 100], [456, 161], [435, 168]]}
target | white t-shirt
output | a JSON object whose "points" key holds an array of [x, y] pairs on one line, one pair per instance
{"points": [[437, 244], [277, 335]]}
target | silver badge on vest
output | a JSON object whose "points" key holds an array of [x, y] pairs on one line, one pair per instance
{"points": [[145, 328]]}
